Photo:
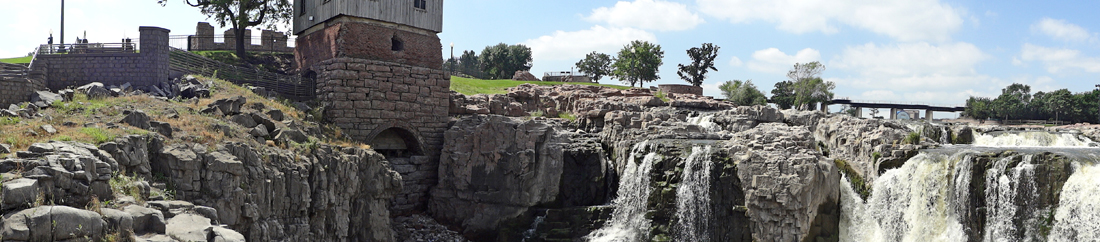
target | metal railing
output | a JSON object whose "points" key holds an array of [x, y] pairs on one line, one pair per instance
{"points": [[88, 48], [265, 43], [290, 86]]}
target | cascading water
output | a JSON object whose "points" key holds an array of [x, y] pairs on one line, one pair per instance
{"points": [[706, 122], [911, 203], [628, 222], [693, 206], [1078, 214], [1011, 197], [930, 198], [1032, 139]]}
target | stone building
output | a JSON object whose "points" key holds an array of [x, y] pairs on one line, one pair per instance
{"points": [[378, 68]]}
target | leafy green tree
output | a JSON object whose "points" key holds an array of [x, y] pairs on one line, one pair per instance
{"points": [[501, 61], [1013, 102], [1057, 101], [808, 86], [783, 94], [241, 14], [638, 63], [743, 93], [469, 64], [702, 61], [595, 65], [979, 108], [850, 111]]}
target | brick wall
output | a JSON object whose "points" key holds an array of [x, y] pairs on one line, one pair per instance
{"points": [[17, 90], [146, 68], [361, 38], [365, 97]]}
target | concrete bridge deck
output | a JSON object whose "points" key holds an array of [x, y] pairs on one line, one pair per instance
{"points": [[894, 107]]}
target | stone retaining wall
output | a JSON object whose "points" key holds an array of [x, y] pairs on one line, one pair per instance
{"points": [[17, 90], [680, 89], [365, 97], [204, 39], [146, 68]]}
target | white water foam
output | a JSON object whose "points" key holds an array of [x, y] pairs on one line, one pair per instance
{"points": [[628, 222], [693, 207], [1078, 215], [706, 122], [1010, 195], [1032, 139], [913, 203]]}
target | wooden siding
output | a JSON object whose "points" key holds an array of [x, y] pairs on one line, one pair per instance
{"points": [[393, 11]]}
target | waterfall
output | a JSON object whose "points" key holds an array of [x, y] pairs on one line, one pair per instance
{"points": [[1032, 139], [706, 122], [913, 203], [693, 206], [1078, 215], [944, 135], [628, 222], [530, 233], [1011, 198]]}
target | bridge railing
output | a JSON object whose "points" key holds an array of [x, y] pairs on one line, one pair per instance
{"points": [[893, 102]]}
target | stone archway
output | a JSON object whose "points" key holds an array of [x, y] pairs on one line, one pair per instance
{"points": [[396, 142]]}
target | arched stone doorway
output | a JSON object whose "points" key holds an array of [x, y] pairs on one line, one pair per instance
{"points": [[396, 143]]}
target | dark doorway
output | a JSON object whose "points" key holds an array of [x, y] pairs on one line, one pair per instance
{"points": [[396, 143]]}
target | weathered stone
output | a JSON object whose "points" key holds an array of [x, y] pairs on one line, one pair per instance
{"points": [[95, 90], [161, 128], [244, 120], [285, 135], [46, 97], [5, 148], [146, 220], [188, 227], [229, 106], [137, 118], [117, 220], [19, 193], [275, 114]]}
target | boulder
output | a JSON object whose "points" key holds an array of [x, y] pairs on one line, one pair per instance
{"points": [[19, 193], [259, 131], [263, 119], [286, 135], [117, 220], [161, 128], [52, 223], [194, 91], [5, 148], [46, 97], [219, 234], [95, 90], [275, 114], [524, 76], [244, 120], [188, 227], [229, 106], [49, 129], [146, 220], [137, 118]]}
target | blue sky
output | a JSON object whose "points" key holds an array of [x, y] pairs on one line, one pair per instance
{"points": [[927, 51]]}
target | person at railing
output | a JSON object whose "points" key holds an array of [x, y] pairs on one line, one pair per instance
{"points": [[49, 42]]}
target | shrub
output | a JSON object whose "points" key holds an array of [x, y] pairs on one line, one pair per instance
{"points": [[10, 120], [913, 138], [98, 135], [567, 115]]}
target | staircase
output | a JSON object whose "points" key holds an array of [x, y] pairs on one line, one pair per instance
{"points": [[8, 70]]}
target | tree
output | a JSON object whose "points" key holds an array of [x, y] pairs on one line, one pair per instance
{"points": [[638, 63], [501, 61], [242, 14], [808, 86], [850, 111], [979, 108], [743, 93], [702, 61], [469, 64], [811, 91], [595, 65], [1057, 101], [783, 94], [1013, 101]]}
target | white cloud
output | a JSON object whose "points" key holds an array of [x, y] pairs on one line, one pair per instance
{"points": [[906, 20], [574, 45], [1058, 60], [736, 62], [918, 66], [1061, 30], [647, 14], [772, 60], [878, 95]]}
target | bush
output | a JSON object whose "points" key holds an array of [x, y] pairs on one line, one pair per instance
{"points": [[10, 120], [913, 138], [98, 135]]}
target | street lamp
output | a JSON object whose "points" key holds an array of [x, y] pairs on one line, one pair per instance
{"points": [[452, 58]]}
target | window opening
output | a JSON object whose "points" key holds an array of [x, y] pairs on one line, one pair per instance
{"points": [[396, 44]]}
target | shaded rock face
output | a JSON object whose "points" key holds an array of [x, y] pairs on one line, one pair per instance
{"points": [[494, 168], [578, 100], [1051, 171], [787, 183], [870, 146]]}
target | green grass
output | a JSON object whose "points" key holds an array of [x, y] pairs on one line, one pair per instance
{"points": [[471, 86], [17, 60]]}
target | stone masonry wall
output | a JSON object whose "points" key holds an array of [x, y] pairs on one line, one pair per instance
{"points": [[146, 68], [681, 89], [365, 97], [204, 39], [17, 90]]}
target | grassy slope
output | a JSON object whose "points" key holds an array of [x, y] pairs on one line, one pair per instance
{"points": [[17, 60], [470, 86]]}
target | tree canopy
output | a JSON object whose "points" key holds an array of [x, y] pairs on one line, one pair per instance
{"points": [[241, 14], [742, 93], [638, 63], [702, 61], [1016, 102], [807, 86], [501, 61], [595, 65], [469, 64], [783, 94]]}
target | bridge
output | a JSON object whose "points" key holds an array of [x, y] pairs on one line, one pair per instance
{"points": [[894, 107]]}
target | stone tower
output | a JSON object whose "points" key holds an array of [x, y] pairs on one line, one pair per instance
{"points": [[378, 67]]}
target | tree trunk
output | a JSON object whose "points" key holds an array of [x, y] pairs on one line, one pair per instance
{"points": [[241, 52]]}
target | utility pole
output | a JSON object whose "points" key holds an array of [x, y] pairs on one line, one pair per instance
{"points": [[1098, 107], [62, 23]]}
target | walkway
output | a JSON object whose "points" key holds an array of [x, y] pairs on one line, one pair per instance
{"points": [[895, 107]]}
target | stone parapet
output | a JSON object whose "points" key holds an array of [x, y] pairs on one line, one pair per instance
{"points": [[680, 89], [17, 90], [146, 68]]}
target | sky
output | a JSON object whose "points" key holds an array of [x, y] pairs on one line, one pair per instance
{"points": [[936, 52]]}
